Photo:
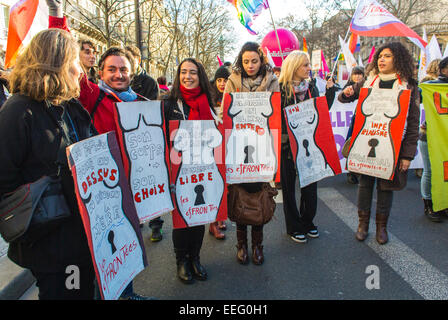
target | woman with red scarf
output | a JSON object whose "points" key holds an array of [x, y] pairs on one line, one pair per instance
{"points": [[189, 99]]}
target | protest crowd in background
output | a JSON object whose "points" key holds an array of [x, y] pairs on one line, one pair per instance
{"points": [[61, 101]]}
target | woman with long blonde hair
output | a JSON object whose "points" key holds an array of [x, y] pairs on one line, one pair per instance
{"points": [[296, 87], [37, 123]]}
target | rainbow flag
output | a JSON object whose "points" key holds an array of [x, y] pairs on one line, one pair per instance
{"points": [[248, 10], [305, 47]]}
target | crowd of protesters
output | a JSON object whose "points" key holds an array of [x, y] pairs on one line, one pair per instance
{"points": [[61, 91]]}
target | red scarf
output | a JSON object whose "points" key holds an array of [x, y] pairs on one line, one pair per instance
{"points": [[198, 103]]}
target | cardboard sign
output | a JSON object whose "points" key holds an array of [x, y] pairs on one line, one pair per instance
{"points": [[316, 58], [198, 173], [253, 132], [378, 130], [311, 139], [108, 213], [145, 156]]}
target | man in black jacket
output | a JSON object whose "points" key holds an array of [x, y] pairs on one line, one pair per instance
{"points": [[145, 86], [142, 83]]}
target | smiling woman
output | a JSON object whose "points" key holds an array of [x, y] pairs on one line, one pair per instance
{"points": [[189, 99]]}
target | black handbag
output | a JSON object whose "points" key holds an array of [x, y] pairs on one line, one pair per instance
{"points": [[33, 210]]}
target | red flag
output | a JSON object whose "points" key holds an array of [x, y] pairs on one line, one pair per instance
{"points": [[352, 42], [26, 19], [371, 54]]}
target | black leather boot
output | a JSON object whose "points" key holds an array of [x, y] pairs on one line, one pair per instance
{"points": [[199, 272], [257, 248], [242, 255], [184, 269], [429, 212]]}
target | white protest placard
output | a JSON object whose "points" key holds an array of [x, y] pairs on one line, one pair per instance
{"points": [[316, 60], [253, 119], [311, 140], [108, 213], [145, 156], [199, 173]]}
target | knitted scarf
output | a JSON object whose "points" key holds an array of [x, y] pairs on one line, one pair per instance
{"points": [[198, 103]]}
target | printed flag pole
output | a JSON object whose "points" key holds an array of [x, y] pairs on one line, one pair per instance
{"points": [[275, 29], [339, 53], [423, 59]]}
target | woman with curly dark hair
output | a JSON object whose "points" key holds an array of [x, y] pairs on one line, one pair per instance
{"points": [[392, 68]]}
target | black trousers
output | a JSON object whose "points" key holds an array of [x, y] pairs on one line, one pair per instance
{"points": [[297, 219], [53, 286], [188, 242], [365, 194]]}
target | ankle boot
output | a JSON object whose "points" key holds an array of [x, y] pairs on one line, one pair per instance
{"points": [[429, 212], [257, 248], [363, 227], [199, 271], [184, 271], [381, 225], [242, 255], [215, 231]]}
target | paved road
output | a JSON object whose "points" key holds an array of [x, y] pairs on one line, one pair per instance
{"points": [[412, 266]]}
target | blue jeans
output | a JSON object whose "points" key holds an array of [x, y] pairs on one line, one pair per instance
{"points": [[425, 183]]}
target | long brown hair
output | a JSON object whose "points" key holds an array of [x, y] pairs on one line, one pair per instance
{"points": [[43, 70], [253, 47], [204, 83]]}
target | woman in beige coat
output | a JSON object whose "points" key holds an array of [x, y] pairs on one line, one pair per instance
{"points": [[251, 73]]}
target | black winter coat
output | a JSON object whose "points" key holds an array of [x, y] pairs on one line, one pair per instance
{"points": [[31, 146], [145, 86]]}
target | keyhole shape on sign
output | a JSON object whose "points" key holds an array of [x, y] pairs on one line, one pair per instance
{"points": [[372, 143], [199, 189], [306, 144], [110, 238], [249, 150]]}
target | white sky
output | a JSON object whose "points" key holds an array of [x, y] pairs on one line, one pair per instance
{"points": [[279, 9]]}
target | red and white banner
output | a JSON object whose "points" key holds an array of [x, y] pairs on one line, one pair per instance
{"points": [[198, 172], [253, 136], [378, 130], [141, 132], [373, 20], [26, 19], [311, 138], [108, 213]]}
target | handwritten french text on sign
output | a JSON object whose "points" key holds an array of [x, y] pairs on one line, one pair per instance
{"points": [[108, 213], [252, 146], [341, 115], [312, 142], [378, 131], [198, 173], [145, 156]]}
